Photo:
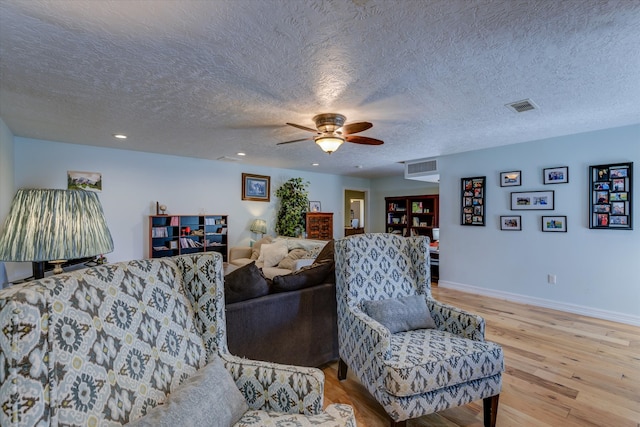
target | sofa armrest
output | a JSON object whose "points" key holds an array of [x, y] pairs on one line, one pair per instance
{"points": [[236, 252], [282, 388], [457, 321]]}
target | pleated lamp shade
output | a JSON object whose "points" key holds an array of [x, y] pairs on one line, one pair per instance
{"points": [[259, 226], [46, 225]]}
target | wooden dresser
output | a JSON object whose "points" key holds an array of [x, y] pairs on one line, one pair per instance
{"points": [[320, 225]]}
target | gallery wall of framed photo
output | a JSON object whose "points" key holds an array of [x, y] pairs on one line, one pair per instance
{"points": [[610, 198], [534, 200]]}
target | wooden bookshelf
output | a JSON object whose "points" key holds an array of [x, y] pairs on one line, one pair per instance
{"points": [[171, 235], [412, 215]]}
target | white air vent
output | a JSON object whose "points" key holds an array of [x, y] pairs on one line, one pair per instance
{"points": [[522, 106], [422, 170]]}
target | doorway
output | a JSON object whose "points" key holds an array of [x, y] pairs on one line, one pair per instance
{"points": [[355, 212]]}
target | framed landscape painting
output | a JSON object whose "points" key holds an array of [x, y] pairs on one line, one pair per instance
{"points": [[256, 187]]}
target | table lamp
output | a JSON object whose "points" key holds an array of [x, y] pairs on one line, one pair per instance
{"points": [[259, 226], [46, 225]]}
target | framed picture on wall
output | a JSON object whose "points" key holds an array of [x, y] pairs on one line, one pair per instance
{"points": [[554, 223], [256, 187], [473, 200], [610, 196], [510, 179], [556, 175], [532, 200], [511, 222]]}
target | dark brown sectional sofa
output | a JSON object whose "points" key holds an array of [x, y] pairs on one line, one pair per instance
{"points": [[291, 319]]}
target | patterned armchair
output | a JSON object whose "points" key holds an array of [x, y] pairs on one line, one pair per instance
{"points": [[415, 372], [104, 345]]}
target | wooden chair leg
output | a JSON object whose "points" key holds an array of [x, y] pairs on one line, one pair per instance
{"points": [[342, 370], [490, 406]]}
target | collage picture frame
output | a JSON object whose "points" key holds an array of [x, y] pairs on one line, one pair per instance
{"points": [[473, 200], [611, 196]]}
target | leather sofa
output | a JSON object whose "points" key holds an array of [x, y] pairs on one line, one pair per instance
{"points": [[292, 321]]}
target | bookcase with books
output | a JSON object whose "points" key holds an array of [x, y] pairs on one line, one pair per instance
{"points": [[412, 215], [171, 235]]}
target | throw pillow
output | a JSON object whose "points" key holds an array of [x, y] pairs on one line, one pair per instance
{"points": [[289, 262], [255, 249], [244, 283], [209, 397], [327, 253], [271, 254], [401, 314], [306, 277]]}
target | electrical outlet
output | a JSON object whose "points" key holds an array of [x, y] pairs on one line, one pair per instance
{"points": [[551, 279]]}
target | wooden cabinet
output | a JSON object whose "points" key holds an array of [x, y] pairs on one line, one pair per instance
{"points": [[320, 225], [171, 235], [412, 215]]}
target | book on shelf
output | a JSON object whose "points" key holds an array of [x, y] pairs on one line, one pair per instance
{"points": [[159, 232], [175, 221], [185, 242]]}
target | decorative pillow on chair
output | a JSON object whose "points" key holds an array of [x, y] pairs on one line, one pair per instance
{"points": [[306, 277], [245, 283], [271, 254], [209, 397], [401, 314]]}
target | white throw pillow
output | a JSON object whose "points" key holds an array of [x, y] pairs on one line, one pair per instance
{"points": [[272, 254]]}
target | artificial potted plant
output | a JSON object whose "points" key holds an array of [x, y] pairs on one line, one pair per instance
{"points": [[294, 202]]}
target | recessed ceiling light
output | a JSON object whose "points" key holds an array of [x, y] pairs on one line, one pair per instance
{"points": [[315, 164], [241, 154], [119, 136], [358, 166]]}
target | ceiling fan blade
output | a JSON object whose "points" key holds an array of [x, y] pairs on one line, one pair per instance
{"points": [[303, 127], [363, 140], [355, 127], [295, 140]]}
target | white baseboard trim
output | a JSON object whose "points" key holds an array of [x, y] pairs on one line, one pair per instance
{"points": [[628, 319]]}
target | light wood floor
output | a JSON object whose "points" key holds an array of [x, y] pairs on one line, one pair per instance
{"points": [[561, 369]]}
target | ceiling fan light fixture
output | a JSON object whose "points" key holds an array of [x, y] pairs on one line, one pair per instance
{"points": [[329, 144]]}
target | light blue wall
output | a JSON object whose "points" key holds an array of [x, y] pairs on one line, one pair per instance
{"points": [[134, 181], [597, 269], [7, 187]]}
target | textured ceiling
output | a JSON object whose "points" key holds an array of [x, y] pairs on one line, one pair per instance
{"points": [[210, 78]]}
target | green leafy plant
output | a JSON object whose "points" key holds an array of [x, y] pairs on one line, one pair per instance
{"points": [[294, 202]]}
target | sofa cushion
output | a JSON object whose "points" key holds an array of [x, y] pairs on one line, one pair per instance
{"points": [[255, 249], [271, 254], [400, 314], [244, 283], [306, 277], [209, 397], [289, 262]]}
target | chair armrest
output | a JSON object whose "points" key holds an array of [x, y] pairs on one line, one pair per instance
{"points": [[236, 252], [378, 339], [282, 388], [457, 321]]}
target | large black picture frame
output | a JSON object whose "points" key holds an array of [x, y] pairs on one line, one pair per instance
{"points": [[472, 209], [611, 196]]}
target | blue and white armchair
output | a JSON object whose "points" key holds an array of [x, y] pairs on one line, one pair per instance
{"points": [[421, 370]]}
